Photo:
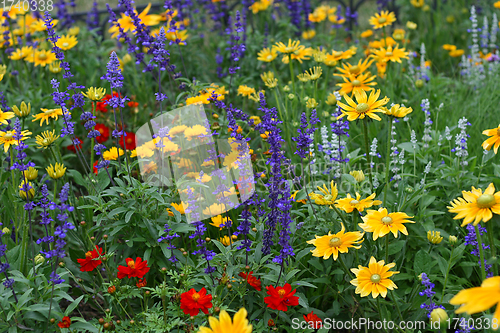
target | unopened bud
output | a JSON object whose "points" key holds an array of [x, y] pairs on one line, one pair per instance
{"points": [[452, 240]]}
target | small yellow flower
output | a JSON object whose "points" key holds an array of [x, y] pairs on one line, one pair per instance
{"points": [[31, 173], [311, 103], [66, 42], [7, 138], [497, 4], [411, 25], [220, 222], [331, 99], [434, 237], [22, 192], [456, 53], [267, 55], [333, 244], [380, 223], [46, 114], [55, 67], [383, 19], [417, 3], [328, 195], [95, 94], [374, 279], [398, 34], [255, 96], [287, 49], [46, 139], [309, 34], [452, 240], [358, 175], [112, 154], [41, 58], [367, 33], [74, 31], [57, 171], [398, 111], [450, 19], [364, 105], [314, 73], [245, 91], [476, 206], [348, 204], [438, 317], [256, 120], [21, 53]]}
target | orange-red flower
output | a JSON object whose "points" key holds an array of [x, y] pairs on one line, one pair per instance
{"points": [[281, 298], [252, 280], [193, 301], [313, 321], [65, 322], [104, 130], [141, 283], [137, 268], [132, 104], [129, 140], [91, 260]]}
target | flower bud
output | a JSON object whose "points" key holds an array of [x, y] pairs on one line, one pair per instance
{"points": [[358, 175], [24, 111], [419, 83], [409, 189], [39, 259], [286, 88], [62, 264], [31, 173], [111, 289], [6, 231], [452, 240], [291, 97], [254, 229], [270, 323], [438, 317], [434, 237]]}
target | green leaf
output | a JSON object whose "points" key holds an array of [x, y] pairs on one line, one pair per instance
{"points": [[423, 262], [73, 305]]}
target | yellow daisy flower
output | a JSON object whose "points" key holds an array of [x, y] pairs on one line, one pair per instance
{"points": [[267, 55], [41, 58], [383, 19], [56, 171], [287, 49], [374, 279], [390, 54], [245, 90], [328, 195], [21, 53], [364, 105], [195, 131], [493, 141], [302, 53], [476, 206], [380, 223], [66, 42], [367, 33], [180, 207], [479, 299], [456, 53], [434, 237], [216, 209], [398, 111], [31, 173], [31, 191], [95, 94], [309, 34], [7, 138], [347, 69], [348, 204], [46, 139], [4, 116], [198, 99], [112, 154], [333, 244], [353, 84], [46, 114], [239, 324], [220, 222]]}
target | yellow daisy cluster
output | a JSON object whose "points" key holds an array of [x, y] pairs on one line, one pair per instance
{"points": [[453, 51]]}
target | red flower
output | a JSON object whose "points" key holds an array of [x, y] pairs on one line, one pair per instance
{"points": [[129, 140], [133, 104], [65, 322], [95, 167], [103, 104], [280, 298], [90, 262], [73, 148], [141, 283], [139, 268], [252, 280], [104, 130], [313, 320], [192, 302]]}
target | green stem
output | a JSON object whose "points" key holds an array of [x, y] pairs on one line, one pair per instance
{"points": [[481, 254], [367, 150], [386, 249], [338, 213], [345, 267], [291, 72], [387, 160], [396, 304], [446, 276], [379, 310], [489, 226]]}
